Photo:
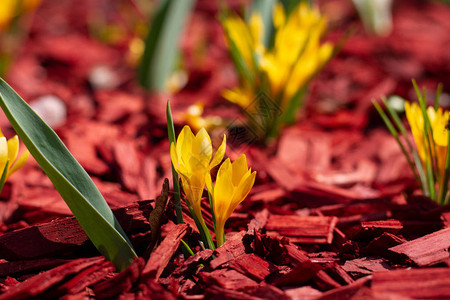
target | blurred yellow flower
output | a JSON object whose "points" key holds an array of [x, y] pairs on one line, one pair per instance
{"points": [[439, 120], [295, 58], [193, 117], [246, 38], [11, 8], [233, 183], [192, 159], [9, 149]]}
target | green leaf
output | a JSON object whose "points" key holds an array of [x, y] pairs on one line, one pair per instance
{"points": [[176, 183], [161, 45], [69, 178]]}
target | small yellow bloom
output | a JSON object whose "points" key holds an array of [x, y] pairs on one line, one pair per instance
{"points": [[439, 120], [9, 150], [192, 159], [233, 183], [193, 117]]}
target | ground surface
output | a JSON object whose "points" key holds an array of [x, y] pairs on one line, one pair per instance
{"points": [[332, 215]]}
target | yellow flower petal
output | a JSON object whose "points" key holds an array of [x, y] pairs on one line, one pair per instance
{"points": [[184, 143], [201, 146], [3, 153], [174, 157], [233, 183], [239, 168], [279, 17], [23, 158], [219, 153], [13, 149], [244, 187], [256, 27]]}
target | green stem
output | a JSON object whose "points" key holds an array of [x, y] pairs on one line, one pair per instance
{"points": [[202, 228], [211, 205], [209, 240], [3, 178], [176, 183], [220, 237]]}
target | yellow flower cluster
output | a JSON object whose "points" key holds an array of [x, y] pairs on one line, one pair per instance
{"points": [[233, 183], [295, 58], [192, 158], [438, 121], [11, 8], [9, 149]]}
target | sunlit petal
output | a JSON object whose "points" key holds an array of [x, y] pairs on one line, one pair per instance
{"points": [[219, 153], [13, 149], [3, 153], [23, 158]]}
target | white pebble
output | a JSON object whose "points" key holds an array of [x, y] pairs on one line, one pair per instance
{"points": [[51, 109], [102, 77]]}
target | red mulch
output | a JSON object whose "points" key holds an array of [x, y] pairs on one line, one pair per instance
{"points": [[334, 213]]}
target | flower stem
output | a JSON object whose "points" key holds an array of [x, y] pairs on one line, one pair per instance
{"points": [[207, 234], [219, 235]]}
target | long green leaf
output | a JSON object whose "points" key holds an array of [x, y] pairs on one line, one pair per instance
{"points": [[69, 178], [176, 183], [161, 45]]}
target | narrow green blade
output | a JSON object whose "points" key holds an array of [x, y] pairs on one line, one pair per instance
{"points": [[176, 183], [161, 45], [69, 178]]}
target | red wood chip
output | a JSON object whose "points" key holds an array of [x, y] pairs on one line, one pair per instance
{"points": [[345, 292], [253, 266], [38, 284], [365, 266], [427, 250], [119, 283], [299, 275], [373, 229], [230, 250], [322, 279], [415, 283], [303, 229], [64, 235], [161, 256], [14, 267], [227, 279], [380, 244], [87, 277], [259, 221]]}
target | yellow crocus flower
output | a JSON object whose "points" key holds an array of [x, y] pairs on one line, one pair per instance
{"points": [[438, 121], [9, 149], [233, 183], [296, 56], [192, 159]]}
